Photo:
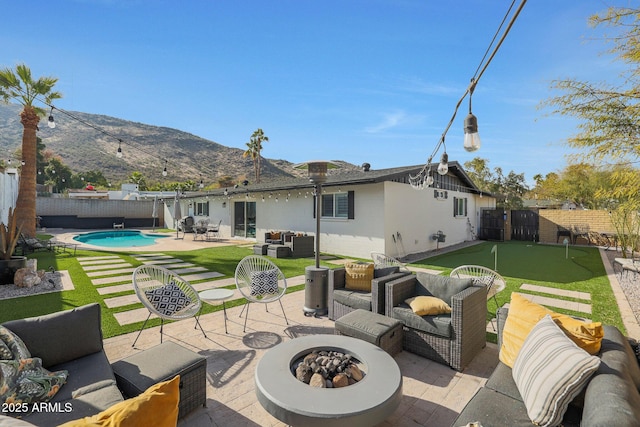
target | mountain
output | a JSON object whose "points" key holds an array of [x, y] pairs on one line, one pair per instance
{"points": [[88, 142]]}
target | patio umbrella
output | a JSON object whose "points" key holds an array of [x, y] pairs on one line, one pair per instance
{"points": [[177, 213], [154, 214]]}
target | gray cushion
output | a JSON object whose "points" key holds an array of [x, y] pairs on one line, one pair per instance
{"points": [[385, 271], [436, 325], [83, 372], [502, 380], [353, 299], [442, 287], [63, 336]]}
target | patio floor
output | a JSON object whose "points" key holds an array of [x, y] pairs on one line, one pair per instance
{"points": [[433, 394]]}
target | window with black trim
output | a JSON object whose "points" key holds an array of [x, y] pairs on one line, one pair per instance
{"points": [[202, 209], [459, 206], [337, 205]]}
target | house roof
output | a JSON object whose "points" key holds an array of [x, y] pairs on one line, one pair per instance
{"points": [[336, 177]]}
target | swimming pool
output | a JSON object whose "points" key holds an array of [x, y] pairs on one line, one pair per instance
{"points": [[118, 238]]}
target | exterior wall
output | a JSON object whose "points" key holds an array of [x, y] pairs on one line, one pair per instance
{"points": [[8, 192], [98, 208], [412, 217], [550, 220]]}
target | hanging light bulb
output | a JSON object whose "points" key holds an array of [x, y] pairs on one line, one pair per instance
{"points": [[23, 162], [51, 123], [471, 137], [201, 185], [119, 152], [443, 167], [428, 180], [164, 171]]}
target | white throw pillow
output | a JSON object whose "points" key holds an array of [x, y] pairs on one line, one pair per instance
{"points": [[550, 371]]}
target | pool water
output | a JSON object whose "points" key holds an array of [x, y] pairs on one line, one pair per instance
{"points": [[118, 238]]}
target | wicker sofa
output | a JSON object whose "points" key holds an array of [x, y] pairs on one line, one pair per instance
{"points": [[452, 339], [71, 340], [342, 301], [611, 398]]}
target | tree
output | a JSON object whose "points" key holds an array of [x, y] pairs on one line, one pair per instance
{"points": [[138, 178], [19, 85], [254, 148], [610, 127]]}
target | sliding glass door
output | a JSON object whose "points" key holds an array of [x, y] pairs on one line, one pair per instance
{"points": [[244, 219]]}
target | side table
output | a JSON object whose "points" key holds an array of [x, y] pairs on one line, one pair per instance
{"points": [[216, 295]]}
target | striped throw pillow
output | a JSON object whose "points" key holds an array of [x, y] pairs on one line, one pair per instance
{"points": [[550, 371]]}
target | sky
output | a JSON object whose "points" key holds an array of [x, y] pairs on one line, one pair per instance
{"points": [[373, 81]]}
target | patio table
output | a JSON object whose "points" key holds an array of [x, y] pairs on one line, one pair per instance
{"points": [[214, 296]]}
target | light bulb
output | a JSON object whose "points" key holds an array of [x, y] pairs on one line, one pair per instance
{"points": [[119, 152], [471, 137], [51, 123], [443, 167], [429, 180], [164, 171]]}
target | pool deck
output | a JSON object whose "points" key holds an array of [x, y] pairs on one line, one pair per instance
{"points": [[185, 242]]}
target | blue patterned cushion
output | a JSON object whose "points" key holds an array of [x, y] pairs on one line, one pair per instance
{"points": [[264, 282], [168, 299]]}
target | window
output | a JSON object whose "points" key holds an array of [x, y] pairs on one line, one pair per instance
{"points": [[459, 206], [337, 205], [202, 209]]}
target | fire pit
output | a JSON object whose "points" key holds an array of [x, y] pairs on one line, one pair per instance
{"points": [[365, 403]]}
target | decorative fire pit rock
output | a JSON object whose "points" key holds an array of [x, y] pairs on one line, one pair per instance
{"points": [[364, 403]]}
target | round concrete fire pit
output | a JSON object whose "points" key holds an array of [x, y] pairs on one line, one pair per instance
{"points": [[365, 403]]}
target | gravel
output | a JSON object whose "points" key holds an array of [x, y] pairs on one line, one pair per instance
{"points": [[52, 282], [630, 284]]}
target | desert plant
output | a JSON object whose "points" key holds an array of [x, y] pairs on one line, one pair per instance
{"points": [[9, 235]]}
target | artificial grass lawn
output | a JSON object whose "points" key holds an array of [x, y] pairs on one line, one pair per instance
{"points": [[543, 265], [220, 259]]}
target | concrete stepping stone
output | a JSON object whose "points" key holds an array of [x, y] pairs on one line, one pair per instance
{"points": [[202, 276], [121, 301], [115, 288], [148, 255], [109, 272], [182, 271], [178, 265], [93, 258], [558, 303], [132, 316], [159, 256], [161, 261], [113, 279], [98, 262], [105, 266], [560, 292], [424, 270]]}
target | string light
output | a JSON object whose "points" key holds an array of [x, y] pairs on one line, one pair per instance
{"points": [[51, 123]]}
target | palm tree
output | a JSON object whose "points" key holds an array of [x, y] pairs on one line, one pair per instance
{"points": [[19, 85], [254, 148]]}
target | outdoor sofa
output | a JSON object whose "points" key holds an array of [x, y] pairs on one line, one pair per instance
{"points": [[610, 398], [71, 341]]}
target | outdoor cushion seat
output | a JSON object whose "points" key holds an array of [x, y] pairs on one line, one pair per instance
{"points": [[354, 299], [437, 325]]}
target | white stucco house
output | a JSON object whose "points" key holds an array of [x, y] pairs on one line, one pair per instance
{"points": [[362, 211], [9, 181]]}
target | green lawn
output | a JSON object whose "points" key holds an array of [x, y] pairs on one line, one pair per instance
{"points": [[518, 263], [544, 265], [220, 259]]}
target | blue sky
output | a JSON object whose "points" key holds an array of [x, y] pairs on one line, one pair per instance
{"points": [[357, 80]]}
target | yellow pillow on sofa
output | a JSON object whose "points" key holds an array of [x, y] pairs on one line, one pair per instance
{"points": [[358, 276], [428, 306], [524, 315], [157, 406]]}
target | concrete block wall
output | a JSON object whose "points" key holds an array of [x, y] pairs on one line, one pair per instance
{"points": [[88, 208], [550, 220]]}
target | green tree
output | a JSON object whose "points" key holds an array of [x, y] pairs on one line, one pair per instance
{"points": [[19, 85], [479, 172], [254, 149], [58, 175], [138, 178]]}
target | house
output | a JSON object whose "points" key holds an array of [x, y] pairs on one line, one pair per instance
{"points": [[362, 211]]}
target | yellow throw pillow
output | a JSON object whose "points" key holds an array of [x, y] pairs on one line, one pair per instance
{"points": [[358, 276], [157, 406], [524, 315], [428, 306]]}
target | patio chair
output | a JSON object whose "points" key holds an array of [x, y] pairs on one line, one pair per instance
{"points": [[31, 244], [200, 229], [213, 230], [381, 260], [482, 275], [260, 281], [452, 338], [166, 295], [343, 298]]}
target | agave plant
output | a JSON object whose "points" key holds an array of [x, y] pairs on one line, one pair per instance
{"points": [[9, 235]]}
